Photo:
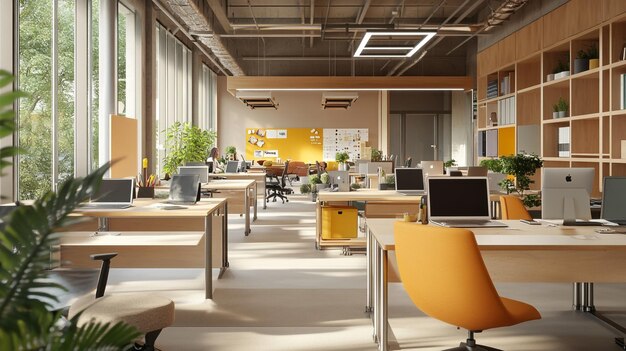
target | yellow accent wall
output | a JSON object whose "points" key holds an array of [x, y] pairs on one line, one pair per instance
{"points": [[506, 141], [300, 144]]}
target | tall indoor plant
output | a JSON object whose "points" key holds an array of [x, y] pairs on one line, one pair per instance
{"points": [[26, 295], [186, 143]]}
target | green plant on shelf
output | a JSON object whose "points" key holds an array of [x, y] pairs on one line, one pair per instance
{"points": [[342, 157], [592, 52], [562, 105], [555, 108], [582, 55], [561, 67]]}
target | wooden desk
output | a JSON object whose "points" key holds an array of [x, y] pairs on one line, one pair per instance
{"points": [[259, 177], [230, 190], [379, 203], [520, 253], [146, 216]]}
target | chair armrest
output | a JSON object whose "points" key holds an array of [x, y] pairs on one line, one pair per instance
{"points": [[103, 257], [104, 271]]}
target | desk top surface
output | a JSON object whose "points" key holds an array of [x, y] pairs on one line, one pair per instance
{"points": [[367, 195], [259, 175], [131, 239], [519, 236], [229, 184], [156, 208]]}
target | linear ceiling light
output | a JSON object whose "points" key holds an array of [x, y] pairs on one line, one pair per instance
{"points": [[350, 89], [411, 50]]}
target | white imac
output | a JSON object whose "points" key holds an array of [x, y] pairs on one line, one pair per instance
{"points": [[565, 194]]}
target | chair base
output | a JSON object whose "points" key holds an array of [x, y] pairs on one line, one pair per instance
{"points": [[149, 344], [464, 347]]}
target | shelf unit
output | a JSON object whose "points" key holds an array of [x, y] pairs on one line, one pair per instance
{"points": [[596, 116]]}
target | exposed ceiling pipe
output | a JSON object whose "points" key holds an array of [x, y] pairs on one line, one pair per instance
{"points": [[189, 36], [359, 20], [195, 20], [312, 16]]}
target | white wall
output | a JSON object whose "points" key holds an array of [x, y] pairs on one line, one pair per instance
{"points": [[462, 133], [298, 109]]}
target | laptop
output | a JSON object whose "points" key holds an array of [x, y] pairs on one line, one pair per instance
{"points": [[477, 171], [184, 189], [116, 193], [432, 168], [460, 202], [614, 200], [201, 171], [232, 167], [410, 181]]}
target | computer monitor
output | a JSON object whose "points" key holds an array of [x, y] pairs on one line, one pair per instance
{"points": [[115, 191], [458, 198], [232, 167], [614, 199], [201, 171], [568, 204], [409, 179], [341, 179], [569, 178], [432, 168]]}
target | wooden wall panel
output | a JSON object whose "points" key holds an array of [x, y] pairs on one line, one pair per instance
{"points": [[613, 8], [582, 15], [506, 51], [490, 59], [529, 39], [555, 26]]}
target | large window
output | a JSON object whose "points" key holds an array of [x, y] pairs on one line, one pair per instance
{"points": [[207, 115], [174, 78], [126, 88]]}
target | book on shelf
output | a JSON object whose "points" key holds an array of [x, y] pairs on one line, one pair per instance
{"points": [[622, 91], [564, 142], [507, 83], [506, 111], [482, 143], [491, 143]]}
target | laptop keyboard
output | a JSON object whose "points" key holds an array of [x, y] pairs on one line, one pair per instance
{"points": [[471, 223]]}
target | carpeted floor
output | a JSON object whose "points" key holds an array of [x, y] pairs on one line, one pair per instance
{"points": [[281, 294]]}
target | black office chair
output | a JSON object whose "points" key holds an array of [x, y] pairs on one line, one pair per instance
{"points": [[277, 187], [147, 312]]}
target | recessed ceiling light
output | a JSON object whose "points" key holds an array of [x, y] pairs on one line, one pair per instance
{"points": [[411, 50]]}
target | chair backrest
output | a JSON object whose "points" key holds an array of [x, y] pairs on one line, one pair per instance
{"points": [[283, 178], [445, 276], [512, 207]]}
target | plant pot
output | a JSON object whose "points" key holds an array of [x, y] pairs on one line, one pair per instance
{"points": [[594, 63], [145, 192], [386, 186], [550, 77], [313, 196], [561, 74], [581, 65], [342, 166], [319, 187], [555, 114], [562, 114]]}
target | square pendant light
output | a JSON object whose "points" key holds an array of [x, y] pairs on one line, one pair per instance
{"points": [[398, 51]]}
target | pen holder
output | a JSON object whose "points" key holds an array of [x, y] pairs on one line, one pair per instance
{"points": [[145, 192]]}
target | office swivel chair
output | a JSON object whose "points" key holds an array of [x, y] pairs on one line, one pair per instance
{"points": [[146, 312], [277, 187], [512, 207], [445, 276]]}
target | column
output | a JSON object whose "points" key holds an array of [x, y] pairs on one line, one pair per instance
{"points": [[108, 74]]}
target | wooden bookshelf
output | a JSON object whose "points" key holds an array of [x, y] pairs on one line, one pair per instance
{"points": [[596, 114]]}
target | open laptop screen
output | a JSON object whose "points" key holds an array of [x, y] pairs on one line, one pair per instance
{"points": [[458, 198], [201, 171], [614, 198], [232, 166], [409, 179], [114, 191], [184, 187]]}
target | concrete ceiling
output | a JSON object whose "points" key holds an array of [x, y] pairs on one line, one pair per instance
{"points": [[319, 37]]}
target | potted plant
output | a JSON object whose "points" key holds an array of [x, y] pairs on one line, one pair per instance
{"points": [[231, 153], [555, 111], [492, 164], [305, 188], [314, 181], [448, 164], [342, 158], [355, 186], [581, 62], [186, 143], [562, 106], [324, 181], [561, 70], [594, 56], [377, 155], [387, 182], [521, 167]]}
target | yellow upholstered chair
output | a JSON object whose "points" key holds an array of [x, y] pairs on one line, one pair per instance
{"points": [[445, 276], [512, 207]]}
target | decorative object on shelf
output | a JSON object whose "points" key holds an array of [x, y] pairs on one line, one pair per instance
{"points": [[594, 56], [622, 91], [623, 156], [555, 111], [623, 57], [377, 155], [522, 167], [562, 106], [387, 182], [581, 62], [550, 77], [561, 70], [564, 142], [186, 143], [342, 158], [493, 119]]}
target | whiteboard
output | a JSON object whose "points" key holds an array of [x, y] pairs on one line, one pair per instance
{"points": [[340, 140]]}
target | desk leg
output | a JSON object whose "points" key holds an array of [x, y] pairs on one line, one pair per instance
{"points": [[377, 286], [383, 337], [246, 206], [586, 298], [208, 257], [255, 199], [369, 259], [264, 190], [225, 263]]}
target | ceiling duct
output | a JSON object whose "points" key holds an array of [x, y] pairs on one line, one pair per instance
{"points": [[335, 100], [257, 99], [190, 15]]}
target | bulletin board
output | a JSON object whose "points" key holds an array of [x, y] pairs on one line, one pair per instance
{"points": [[303, 144]]}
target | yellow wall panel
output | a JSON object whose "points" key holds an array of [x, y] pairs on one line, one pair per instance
{"points": [[299, 144], [506, 141]]}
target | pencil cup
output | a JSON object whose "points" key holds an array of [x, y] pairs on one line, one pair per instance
{"points": [[145, 192]]}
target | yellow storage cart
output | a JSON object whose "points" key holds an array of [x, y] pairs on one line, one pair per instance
{"points": [[339, 222]]}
